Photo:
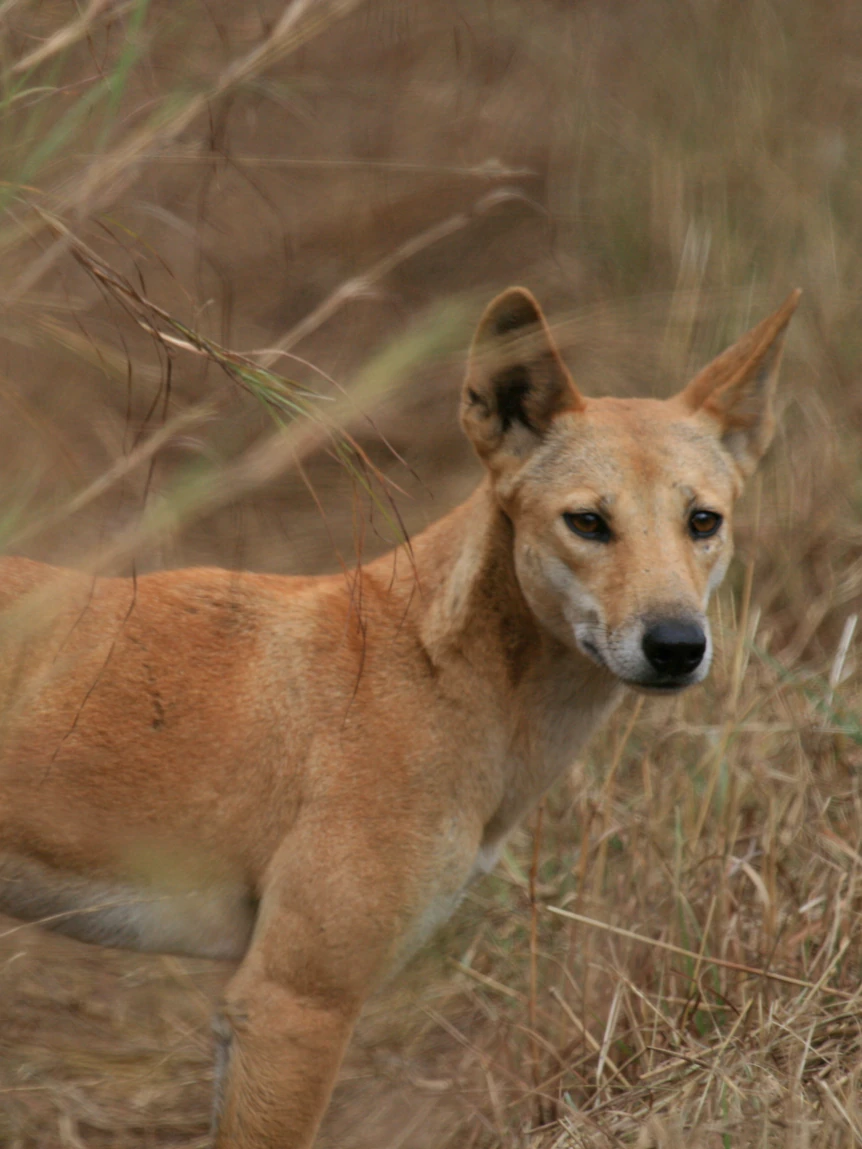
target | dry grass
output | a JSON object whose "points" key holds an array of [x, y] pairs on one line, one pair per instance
{"points": [[213, 214]]}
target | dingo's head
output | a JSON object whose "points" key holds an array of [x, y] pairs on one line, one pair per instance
{"points": [[621, 508]]}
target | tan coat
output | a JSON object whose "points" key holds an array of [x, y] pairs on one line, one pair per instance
{"points": [[303, 774]]}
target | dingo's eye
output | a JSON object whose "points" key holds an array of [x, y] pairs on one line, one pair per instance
{"points": [[704, 524], [588, 526]]}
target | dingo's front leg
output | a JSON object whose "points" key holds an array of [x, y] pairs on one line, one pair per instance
{"points": [[283, 1051], [322, 940]]}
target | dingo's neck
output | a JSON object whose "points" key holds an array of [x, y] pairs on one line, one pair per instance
{"points": [[540, 697]]}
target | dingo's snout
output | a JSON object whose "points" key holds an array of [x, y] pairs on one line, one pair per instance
{"points": [[662, 652]]}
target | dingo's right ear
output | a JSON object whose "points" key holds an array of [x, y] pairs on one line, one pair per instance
{"points": [[516, 381]]}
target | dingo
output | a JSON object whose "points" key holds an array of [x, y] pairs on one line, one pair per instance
{"points": [[302, 774]]}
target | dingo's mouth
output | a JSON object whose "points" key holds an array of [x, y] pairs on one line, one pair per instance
{"points": [[674, 687], [645, 686], [592, 651]]}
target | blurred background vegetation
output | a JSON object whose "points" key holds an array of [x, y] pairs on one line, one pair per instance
{"points": [[242, 249]]}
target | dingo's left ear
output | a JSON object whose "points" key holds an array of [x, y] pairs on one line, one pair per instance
{"points": [[736, 389], [516, 381]]}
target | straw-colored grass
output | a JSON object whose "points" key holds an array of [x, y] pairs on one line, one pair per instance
{"points": [[243, 247]]}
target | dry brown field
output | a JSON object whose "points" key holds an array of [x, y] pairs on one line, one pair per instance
{"points": [[243, 247]]}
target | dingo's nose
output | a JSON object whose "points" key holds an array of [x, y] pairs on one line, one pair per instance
{"points": [[674, 648]]}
